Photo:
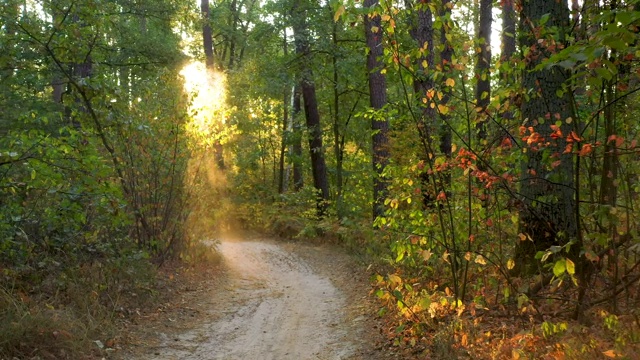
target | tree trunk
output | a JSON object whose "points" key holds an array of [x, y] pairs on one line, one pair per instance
{"points": [[298, 178], [483, 84], [422, 33], [377, 100], [337, 143], [483, 63], [445, 60], [285, 124], [508, 47], [234, 27], [548, 215], [318, 164], [207, 42], [207, 39]]}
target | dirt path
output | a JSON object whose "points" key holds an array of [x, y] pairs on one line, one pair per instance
{"points": [[277, 301]]}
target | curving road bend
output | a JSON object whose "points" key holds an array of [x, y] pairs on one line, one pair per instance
{"points": [[275, 306]]}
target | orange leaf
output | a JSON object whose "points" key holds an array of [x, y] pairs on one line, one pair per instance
{"points": [[573, 137], [586, 150], [568, 149], [610, 354]]}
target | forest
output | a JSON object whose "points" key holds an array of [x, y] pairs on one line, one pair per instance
{"points": [[479, 155]]}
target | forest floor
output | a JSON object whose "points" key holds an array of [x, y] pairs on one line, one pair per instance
{"points": [[263, 299]]}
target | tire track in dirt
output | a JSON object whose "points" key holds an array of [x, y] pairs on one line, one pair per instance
{"points": [[274, 306]]}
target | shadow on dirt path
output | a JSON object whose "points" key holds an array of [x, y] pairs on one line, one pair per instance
{"points": [[277, 301]]}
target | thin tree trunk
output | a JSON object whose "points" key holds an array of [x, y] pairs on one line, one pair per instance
{"points": [[377, 100], [445, 60], [318, 164], [483, 63], [483, 84], [422, 33], [508, 47], [285, 123], [298, 178], [207, 39], [234, 25], [337, 144]]}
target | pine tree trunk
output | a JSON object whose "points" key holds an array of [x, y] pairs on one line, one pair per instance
{"points": [[318, 164]]}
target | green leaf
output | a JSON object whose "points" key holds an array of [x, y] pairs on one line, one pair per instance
{"points": [[559, 267]]}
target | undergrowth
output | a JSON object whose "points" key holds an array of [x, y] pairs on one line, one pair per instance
{"points": [[71, 312], [422, 315]]}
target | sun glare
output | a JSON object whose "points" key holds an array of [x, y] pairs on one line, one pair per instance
{"points": [[207, 95]]}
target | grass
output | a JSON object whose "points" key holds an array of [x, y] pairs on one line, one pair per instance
{"points": [[71, 313]]}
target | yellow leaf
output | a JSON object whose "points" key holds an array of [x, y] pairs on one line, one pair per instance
{"points": [[443, 109], [426, 254], [480, 260], [394, 203], [515, 354], [454, 147], [425, 64], [571, 267], [385, 17], [375, 29], [395, 279], [338, 13], [450, 82], [511, 264]]}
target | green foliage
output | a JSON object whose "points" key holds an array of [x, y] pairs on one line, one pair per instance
{"points": [[94, 165]]}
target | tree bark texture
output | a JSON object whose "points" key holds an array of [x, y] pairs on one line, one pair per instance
{"points": [[422, 33], [483, 63], [548, 214], [298, 178], [377, 100], [318, 164]]}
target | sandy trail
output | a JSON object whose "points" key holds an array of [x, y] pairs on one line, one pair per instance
{"points": [[273, 306]]}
